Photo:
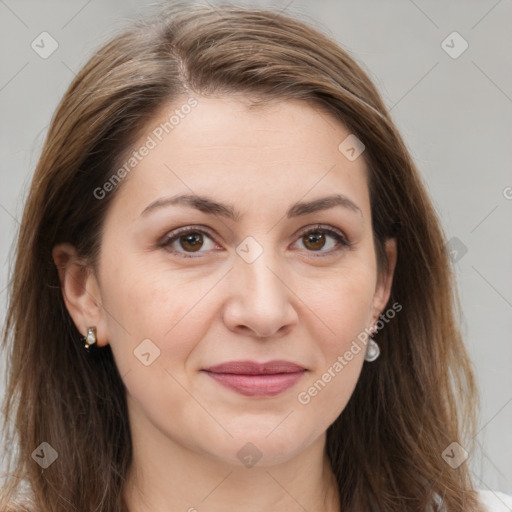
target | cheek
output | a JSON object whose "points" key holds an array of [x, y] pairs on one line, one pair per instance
{"points": [[325, 395], [327, 390], [344, 313], [164, 306], [153, 329], [342, 304]]}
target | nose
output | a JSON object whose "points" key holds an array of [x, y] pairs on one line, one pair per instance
{"points": [[261, 298]]}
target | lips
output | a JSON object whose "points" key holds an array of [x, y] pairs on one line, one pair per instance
{"points": [[253, 368], [250, 378]]}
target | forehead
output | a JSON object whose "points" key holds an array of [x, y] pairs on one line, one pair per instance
{"points": [[228, 146]]}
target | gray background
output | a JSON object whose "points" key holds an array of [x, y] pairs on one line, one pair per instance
{"points": [[454, 113]]}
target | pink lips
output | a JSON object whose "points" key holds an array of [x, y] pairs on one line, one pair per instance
{"points": [[257, 379]]}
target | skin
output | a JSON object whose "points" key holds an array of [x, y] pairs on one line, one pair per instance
{"points": [[215, 307]]}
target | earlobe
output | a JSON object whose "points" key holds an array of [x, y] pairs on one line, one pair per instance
{"points": [[79, 288]]}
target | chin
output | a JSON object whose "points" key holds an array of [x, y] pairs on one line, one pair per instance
{"points": [[263, 447]]}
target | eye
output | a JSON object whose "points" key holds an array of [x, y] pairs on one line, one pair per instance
{"points": [[189, 240], [316, 238]]}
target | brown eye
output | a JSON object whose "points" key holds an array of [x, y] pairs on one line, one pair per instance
{"points": [[186, 241], [192, 241], [314, 240]]}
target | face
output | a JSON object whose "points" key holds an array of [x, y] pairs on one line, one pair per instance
{"points": [[231, 312]]}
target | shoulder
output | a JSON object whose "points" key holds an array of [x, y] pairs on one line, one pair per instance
{"points": [[495, 501]]}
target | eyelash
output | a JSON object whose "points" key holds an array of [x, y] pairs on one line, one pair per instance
{"points": [[342, 240]]}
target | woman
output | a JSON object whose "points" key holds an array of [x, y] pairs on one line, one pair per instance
{"points": [[231, 289]]}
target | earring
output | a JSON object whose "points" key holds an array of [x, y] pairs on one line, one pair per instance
{"points": [[372, 351], [90, 338]]}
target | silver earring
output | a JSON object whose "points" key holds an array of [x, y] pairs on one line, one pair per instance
{"points": [[90, 338], [372, 351]]}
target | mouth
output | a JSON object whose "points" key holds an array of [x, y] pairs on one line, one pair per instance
{"points": [[249, 378]]}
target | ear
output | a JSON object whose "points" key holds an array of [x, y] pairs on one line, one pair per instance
{"points": [[80, 291], [385, 281]]}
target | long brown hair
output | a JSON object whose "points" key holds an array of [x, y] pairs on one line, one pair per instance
{"points": [[386, 447]]}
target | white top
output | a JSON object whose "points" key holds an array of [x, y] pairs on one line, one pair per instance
{"points": [[496, 501]]}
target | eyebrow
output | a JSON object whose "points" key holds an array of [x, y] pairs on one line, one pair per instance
{"points": [[212, 207]]}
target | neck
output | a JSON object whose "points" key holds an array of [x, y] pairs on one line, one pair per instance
{"points": [[166, 476]]}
